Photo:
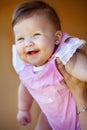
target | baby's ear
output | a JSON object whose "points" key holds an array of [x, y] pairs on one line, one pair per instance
{"points": [[58, 36]]}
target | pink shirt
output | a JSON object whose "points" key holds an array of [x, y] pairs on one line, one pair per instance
{"points": [[52, 95]]}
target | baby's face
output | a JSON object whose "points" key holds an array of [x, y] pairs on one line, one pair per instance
{"points": [[35, 39]]}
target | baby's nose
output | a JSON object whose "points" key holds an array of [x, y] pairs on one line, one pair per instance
{"points": [[29, 42]]}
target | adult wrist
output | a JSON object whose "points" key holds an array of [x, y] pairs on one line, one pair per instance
{"points": [[82, 110]]}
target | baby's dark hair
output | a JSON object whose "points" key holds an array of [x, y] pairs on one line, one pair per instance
{"points": [[26, 9]]}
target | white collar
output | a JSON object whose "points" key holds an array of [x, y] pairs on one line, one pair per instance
{"points": [[38, 68]]}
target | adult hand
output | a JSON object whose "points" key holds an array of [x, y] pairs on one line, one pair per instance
{"points": [[79, 91]]}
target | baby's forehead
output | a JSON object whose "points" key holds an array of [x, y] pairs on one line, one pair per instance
{"points": [[40, 23]]}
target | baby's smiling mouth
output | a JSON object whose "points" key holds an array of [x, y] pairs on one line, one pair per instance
{"points": [[32, 52]]}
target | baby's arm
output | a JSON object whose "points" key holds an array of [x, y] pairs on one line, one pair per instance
{"points": [[24, 105], [77, 66]]}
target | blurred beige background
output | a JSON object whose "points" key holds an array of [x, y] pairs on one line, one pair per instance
{"points": [[73, 15]]}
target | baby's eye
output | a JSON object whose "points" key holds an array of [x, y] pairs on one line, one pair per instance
{"points": [[19, 40], [36, 34]]}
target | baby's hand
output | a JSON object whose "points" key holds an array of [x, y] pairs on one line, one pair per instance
{"points": [[23, 117]]}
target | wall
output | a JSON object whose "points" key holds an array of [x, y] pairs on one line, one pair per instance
{"points": [[73, 18]]}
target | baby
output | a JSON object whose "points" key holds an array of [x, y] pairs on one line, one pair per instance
{"points": [[40, 45]]}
